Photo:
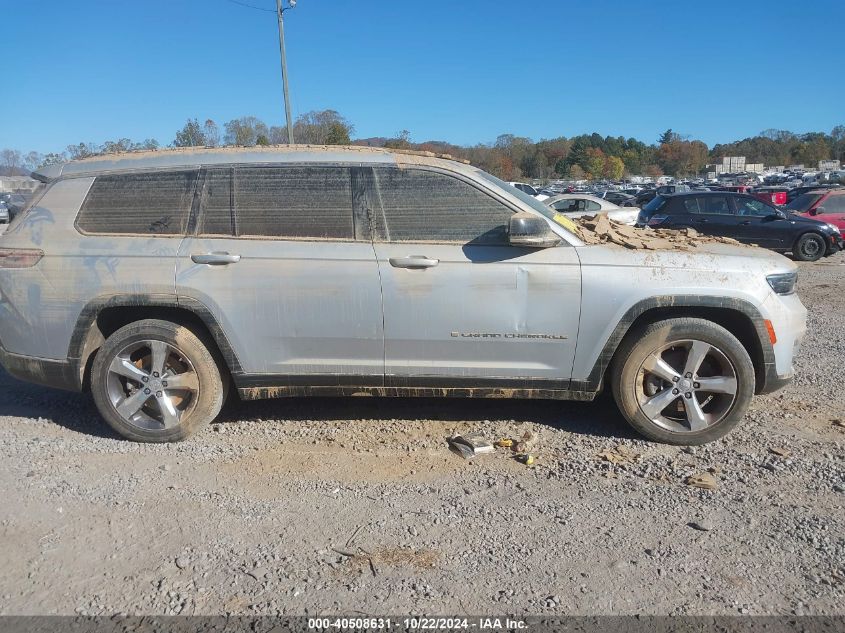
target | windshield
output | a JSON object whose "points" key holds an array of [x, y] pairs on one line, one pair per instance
{"points": [[529, 200], [804, 202], [654, 205]]}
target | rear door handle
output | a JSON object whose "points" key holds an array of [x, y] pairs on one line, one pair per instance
{"points": [[413, 261], [746, 223], [216, 259]]}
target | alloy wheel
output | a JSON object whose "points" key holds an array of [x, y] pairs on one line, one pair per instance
{"points": [[686, 386], [152, 385]]}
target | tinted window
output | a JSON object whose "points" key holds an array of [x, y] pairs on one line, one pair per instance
{"points": [[297, 202], [691, 205], [803, 202], [152, 204], [834, 204], [745, 206], [422, 205], [714, 205], [592, 205]]}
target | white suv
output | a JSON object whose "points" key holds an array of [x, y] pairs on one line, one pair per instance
{"points": [[157, 280]]}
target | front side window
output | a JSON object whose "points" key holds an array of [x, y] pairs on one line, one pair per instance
{"points": [[156, 203], [420, 205], [278, 202], [833, 204]]}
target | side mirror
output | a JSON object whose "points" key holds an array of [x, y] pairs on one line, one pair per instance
{"points": [[817, 211], [527, 229]]}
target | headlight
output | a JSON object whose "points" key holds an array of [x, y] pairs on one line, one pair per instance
{"points": [[833, 228], [784, 283]]}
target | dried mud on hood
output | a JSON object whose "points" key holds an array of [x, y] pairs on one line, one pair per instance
{"points": [[599, 229]]}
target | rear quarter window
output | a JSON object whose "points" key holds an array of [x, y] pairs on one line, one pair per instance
{"points": [[139, 204]]}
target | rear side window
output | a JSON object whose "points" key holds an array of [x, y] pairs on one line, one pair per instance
{"points": [[279, 202], [708, 205], [419, 205], [139, 204]]}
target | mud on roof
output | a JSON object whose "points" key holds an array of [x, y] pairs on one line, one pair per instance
{"points": [[193, 156], [270, 149], [599, 229]]}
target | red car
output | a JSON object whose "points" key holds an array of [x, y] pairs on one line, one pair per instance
{"points": [[775, 195], [827, 205]]}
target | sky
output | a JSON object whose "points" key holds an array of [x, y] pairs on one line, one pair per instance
{"points": [[463, 71]]}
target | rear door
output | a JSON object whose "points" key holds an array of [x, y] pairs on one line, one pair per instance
{"points": [[711, 215], [463, 308], [287, 271]]}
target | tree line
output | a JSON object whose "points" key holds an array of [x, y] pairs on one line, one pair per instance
{"points": [[510, 157]]}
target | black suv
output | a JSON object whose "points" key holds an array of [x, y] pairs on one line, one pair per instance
{"points": [[743, 218]]}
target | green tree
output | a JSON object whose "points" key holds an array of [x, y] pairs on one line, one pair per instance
{"points": [[594, 163], [614, 168], [191, 135]]}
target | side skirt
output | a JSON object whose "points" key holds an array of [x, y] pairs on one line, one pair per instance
{"points": [[266, 387]]}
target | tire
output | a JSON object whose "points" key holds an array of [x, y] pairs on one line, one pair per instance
{"points": [[641, 385], [810, 247], [130, 386]]}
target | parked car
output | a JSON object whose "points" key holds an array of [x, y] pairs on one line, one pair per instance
{"points": [[4, 213], [793, 193], [531, 191], [775, 195], [618, 198], [746, 219], [825, 205], [259, 268], [576, 205]]}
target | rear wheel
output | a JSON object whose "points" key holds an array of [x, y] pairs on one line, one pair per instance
{"points": [[809, 247], [683, 381], [155, 381]]}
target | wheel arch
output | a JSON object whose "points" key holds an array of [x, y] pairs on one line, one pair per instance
{"points": [[738, 316], [105, 315]]}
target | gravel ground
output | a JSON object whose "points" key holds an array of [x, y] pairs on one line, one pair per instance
{"points": [[356, 506]]}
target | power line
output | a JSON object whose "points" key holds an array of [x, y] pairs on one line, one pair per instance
{"points": [[249, 6]]}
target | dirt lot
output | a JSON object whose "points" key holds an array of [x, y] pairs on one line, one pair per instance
{"points": [[357, 506]]}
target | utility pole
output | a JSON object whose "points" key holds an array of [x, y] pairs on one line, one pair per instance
{"points": [[280, 12]]}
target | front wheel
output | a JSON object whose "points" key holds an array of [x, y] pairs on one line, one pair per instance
{"points": [[155, 381], [810, 247], [683, 381]]}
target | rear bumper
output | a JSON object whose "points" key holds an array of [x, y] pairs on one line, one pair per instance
{"points": [[41, 371]]}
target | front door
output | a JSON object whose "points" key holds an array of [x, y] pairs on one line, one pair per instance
{"points": [[463, 308], [276, 260], [761, 224], [832, 210]]}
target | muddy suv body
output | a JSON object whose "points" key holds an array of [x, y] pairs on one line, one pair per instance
{"points": [[159, 280]]}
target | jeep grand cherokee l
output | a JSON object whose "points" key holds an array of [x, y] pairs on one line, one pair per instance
{"points": [[157, 280]]}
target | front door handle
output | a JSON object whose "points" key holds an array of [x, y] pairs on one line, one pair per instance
{"points": [[215, 259], [413, 261], [746, 223]]}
